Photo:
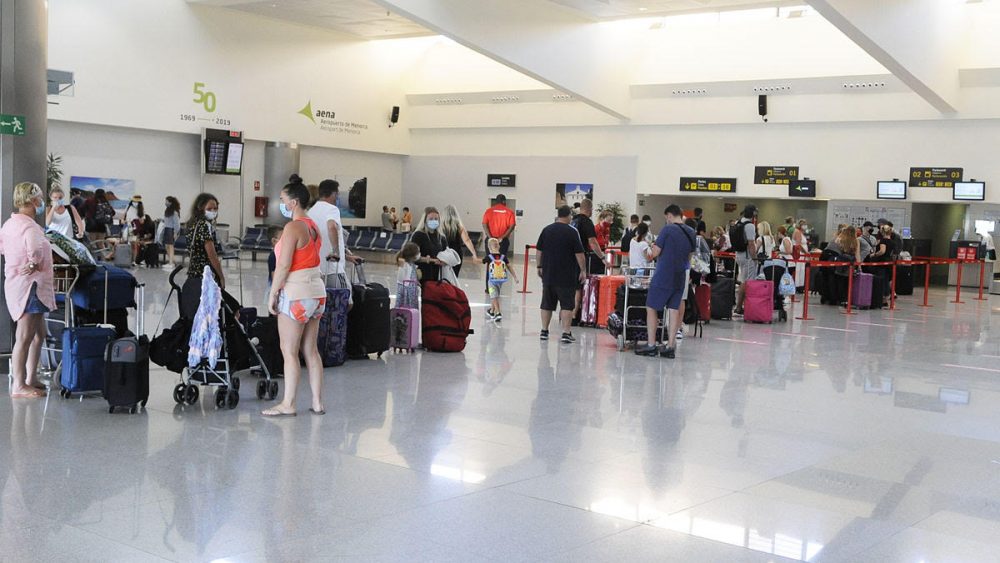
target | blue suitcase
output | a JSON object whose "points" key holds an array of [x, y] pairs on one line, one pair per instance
{"points": [[106, 280], [332, 339], [83, 361]]}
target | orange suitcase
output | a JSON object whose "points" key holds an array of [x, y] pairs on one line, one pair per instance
{"points": [[606, 298]]}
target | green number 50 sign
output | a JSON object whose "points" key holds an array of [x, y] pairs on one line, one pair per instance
{"points": [[206, 99]]}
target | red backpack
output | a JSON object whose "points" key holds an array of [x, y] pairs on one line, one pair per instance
{"points": [[446, 317]]}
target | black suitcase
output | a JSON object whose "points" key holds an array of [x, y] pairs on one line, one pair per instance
{"points": [[265, 331], [126, 377], [368, 321], [904, 280], [151, 255], [723, 298]]}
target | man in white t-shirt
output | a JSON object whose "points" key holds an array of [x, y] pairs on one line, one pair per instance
{"points": [[327, 217]]}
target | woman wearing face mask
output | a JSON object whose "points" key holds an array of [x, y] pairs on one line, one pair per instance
{"points": [[431, 242], [63, 218], [28, 287], [201, 253], [298, 299], [171, 227]]}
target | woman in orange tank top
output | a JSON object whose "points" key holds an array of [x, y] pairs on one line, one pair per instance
{"points": [[298, 299]]}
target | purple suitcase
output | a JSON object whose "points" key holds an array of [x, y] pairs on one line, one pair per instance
{"points": [[332, 338], [861, 292], [404, 329], [758, 305]]}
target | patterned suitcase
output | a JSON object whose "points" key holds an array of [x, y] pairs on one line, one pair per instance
{"points": [[404, 327], [332, 340], [758, 305], [588, 303]]}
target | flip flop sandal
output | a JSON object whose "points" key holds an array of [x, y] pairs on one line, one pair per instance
{"points": [[317, 413], [276, 414]]}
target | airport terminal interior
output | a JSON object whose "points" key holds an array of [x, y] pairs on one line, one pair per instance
{"points": [[859, 423]]}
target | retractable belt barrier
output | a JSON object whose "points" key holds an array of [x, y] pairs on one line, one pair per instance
{"points": [[527, 261]]}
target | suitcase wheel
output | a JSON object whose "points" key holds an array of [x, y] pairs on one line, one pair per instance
{"points": [[111, 410], [143, 403], [232, 399], [133, 410]]}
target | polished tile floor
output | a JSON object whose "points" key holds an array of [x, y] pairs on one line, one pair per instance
{"points": [[871, 437]]}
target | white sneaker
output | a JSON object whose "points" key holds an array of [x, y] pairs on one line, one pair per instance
{"points": [[680, 334]]}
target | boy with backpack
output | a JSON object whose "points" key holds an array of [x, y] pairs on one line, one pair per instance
{"points": [[498, 271]]}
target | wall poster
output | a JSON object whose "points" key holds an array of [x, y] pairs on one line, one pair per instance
{"points": [[569, 194]]}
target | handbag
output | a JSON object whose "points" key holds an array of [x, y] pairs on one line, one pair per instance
{"points": [[786, 287]]}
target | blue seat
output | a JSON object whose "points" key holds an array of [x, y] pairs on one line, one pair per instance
{"points": [[352, 237], [396, 242], [382, 240], [364, 241]]}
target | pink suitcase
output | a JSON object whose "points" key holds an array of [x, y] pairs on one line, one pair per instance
{"points": [[758, 305], [404, 329], [861, 291]]}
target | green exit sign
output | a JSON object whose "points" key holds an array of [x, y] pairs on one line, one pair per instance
{"points": [[11, 124]]}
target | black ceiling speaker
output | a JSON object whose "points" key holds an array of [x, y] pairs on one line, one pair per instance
{"points": [[394, 117], [762, 105]]}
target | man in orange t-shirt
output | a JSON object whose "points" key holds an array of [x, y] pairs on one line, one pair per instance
{"points": [[499, 222]]}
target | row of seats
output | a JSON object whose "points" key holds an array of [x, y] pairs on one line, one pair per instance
{"points": [[255, 240]]}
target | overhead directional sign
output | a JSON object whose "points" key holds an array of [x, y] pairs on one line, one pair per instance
{"points": [[501, 180], [802, 188], [935, 177], [719, 185], [775, 174], [11, 124]]}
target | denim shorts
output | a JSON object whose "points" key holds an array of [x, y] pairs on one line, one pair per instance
{"points": [[35, 304]]}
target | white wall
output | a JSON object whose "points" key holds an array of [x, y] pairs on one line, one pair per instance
{"points": [[461, 181], [384, 173], [846, 159], [136, 63]]}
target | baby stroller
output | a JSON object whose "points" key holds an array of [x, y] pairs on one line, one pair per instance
{"points": [[773, 269], [238, 353]]}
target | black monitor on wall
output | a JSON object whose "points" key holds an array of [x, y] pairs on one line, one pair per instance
{"points": [[223, 152], [890, 189], [969, 191]]}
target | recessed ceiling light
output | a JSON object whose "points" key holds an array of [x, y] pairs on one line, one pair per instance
{"points": [[642, 9]]}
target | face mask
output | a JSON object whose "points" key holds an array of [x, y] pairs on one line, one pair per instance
{"points": [[285, 211], [40, 209], [57, 202], [211, 215], [433, 224], [648, 222]]}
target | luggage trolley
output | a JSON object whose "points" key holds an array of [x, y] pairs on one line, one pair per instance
{"points": [[64, 280], [223, 375], [625, 329]]}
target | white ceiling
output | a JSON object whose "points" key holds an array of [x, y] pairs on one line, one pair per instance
{"points": [[361, 18], [614, 9]]}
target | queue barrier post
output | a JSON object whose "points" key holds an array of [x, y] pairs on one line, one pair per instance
{"points": [[927, 282], [892, 288], [527, 261], [850, 290], [982, 280], [958, 286], [805, 296]]}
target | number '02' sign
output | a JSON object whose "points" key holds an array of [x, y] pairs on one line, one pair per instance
{"points": [[717, 185]]}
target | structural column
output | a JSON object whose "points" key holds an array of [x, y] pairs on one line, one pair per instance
{"points": [[23, 63]]}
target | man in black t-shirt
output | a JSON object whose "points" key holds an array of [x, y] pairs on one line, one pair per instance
{"points": [[582, 222], [561, 266]]}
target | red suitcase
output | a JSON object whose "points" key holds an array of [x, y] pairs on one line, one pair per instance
{"points": [[758, 305], [607, 291], [703, 295]]}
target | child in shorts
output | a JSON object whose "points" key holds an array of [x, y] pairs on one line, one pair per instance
{"points": [[498, 271]]}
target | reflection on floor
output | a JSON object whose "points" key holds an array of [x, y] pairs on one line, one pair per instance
{"points": [[870, 437]]}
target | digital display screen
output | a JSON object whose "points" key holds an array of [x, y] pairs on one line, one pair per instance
{"points": [[802, 188], [891, 190], [234, 158], [215, 157], [969, 191]]}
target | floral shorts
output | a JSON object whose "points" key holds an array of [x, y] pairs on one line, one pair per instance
{"points": [[302, 310]]}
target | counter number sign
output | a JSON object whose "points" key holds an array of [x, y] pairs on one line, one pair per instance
{"points": [[716, 185], [935, 177], [775, 175]]}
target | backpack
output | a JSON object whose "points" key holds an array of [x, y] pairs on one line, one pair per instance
{"points": [[627, 240], [497, 269], [738, 236], [104, 214], [786, 286]]}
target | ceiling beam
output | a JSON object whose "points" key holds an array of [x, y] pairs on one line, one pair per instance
{"points": [[588, 60], [919, 41]]}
